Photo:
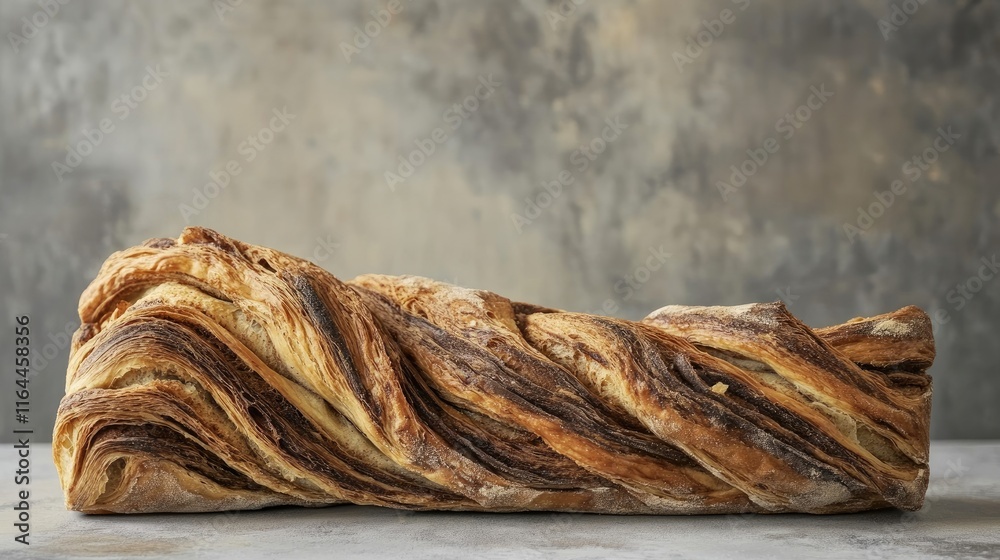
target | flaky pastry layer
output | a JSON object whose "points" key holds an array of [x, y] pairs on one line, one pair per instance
{"points": [[210, 374]]}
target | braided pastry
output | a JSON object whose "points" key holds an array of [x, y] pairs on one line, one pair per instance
{"points": [[210, 374]]}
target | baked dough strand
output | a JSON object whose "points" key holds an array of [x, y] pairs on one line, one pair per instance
{"points": [[210, 374]]}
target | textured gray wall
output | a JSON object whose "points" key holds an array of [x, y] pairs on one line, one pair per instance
{"points": [[197, 84]]}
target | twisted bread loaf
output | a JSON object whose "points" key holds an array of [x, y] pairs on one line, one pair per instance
{"points": [[210, 374]]}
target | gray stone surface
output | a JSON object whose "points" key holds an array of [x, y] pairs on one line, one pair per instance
{"points": [[318, 188], [960, 519]]}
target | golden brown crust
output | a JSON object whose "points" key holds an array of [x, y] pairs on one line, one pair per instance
{"points": [[209, 374]]}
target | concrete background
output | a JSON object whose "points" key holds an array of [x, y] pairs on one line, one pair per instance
{"points": [[317, 189]]}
